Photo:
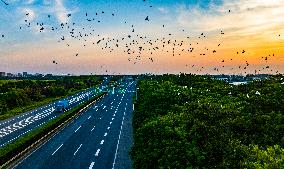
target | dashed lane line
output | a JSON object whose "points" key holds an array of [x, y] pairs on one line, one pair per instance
{"points": [[57, 149], [92, 165], [113, 164], [97, 152], [77, 149], [93, 128], [77, 129]]}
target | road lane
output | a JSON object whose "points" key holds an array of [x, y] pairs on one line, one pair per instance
{"points": [[12, 129], [95, 144]]}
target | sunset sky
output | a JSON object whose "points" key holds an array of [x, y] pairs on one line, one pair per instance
{"points": [[253, 28]]}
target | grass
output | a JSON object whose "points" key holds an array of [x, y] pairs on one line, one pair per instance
{"points": [[7, 81]]}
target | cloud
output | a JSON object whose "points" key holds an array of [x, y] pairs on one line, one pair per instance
{"points": [[163, 10], [30, 12], [29, 1], [61, 11], [246, 17]]}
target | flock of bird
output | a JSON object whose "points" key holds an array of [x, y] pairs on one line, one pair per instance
{"points": [[137, 46]]}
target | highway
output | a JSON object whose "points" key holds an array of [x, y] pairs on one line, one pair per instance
{"points": [[100, 138], [15, 127]]}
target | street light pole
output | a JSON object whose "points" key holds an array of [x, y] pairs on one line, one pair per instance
{"points": [[136, 92]]}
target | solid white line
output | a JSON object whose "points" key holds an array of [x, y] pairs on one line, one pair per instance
{"points": [[118, 141], [57, 149], [91, 166], [77, 129], [97, 153], [77, 149]]}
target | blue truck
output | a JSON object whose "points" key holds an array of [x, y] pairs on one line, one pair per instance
{"points": [[61, 106]]}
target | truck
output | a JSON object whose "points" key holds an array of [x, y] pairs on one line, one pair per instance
{"points": [[61, 106]]}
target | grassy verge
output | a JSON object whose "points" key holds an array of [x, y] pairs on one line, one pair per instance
{"points": [[19, 145], [34, 105]]}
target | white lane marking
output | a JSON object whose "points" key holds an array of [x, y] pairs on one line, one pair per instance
{"points": [[77, 149], [113, 115], [93, 128], [110, 122], [102, 142], [105, 134], [77, 129], [89, 117], [104, 107], [57, 149], [100, 118], [108, 128], [112, 118], [92, 165], [118, 141], [97, 153]]}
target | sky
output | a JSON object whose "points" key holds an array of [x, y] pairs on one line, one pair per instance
{"points": [[114, 37]]}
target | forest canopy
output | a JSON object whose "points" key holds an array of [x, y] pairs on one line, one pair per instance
{"points": [[191, 121]]}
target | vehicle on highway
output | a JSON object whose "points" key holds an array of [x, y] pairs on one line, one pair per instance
{"points": [[61, 106]]}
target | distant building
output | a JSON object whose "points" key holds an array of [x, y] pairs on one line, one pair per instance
{"points": [[38, 75], [9, 75], [19, 74], [223, 79], [25, 74], [48, 75], [2, 74]]}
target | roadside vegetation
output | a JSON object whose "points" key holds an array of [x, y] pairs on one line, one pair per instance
{"points": [[191, 121], [18, 96]]}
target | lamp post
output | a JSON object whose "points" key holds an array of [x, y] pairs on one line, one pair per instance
{"points": [[136, 92]]}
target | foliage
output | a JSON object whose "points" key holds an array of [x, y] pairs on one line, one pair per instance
{"points": [[19, 95], [191, 121]]}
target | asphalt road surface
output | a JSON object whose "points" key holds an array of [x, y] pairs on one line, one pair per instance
{"points": [[15, 127], [100, 138]]}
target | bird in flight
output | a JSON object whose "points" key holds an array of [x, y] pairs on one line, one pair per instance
{"points": [[4, 2]]}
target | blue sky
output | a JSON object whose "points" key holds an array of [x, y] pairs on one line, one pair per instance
{"points": [[27, 49], [13, 15]]}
